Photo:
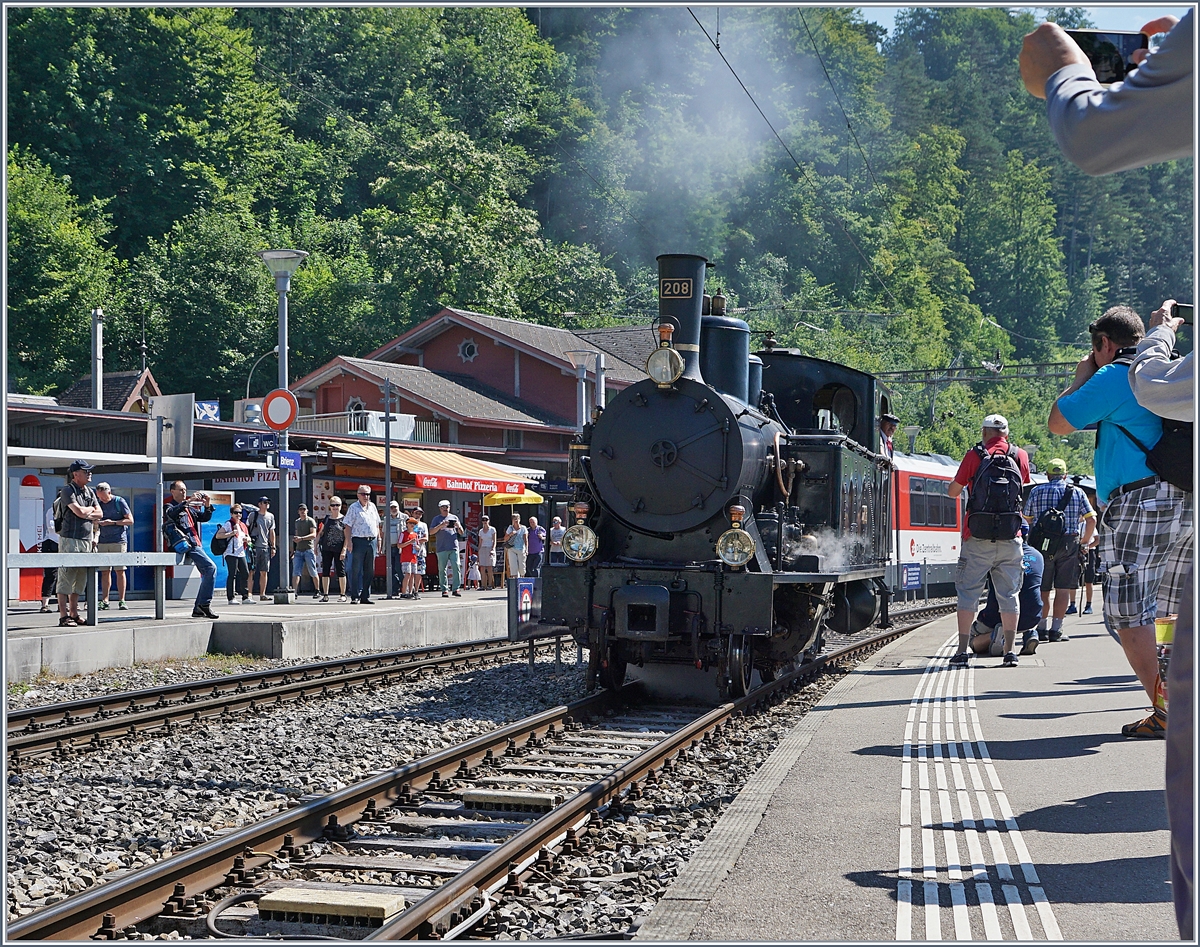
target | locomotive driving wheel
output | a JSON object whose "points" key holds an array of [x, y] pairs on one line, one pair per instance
{"points": [[741, 665]]}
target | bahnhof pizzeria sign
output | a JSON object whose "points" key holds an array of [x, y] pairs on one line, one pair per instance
{"points": [[468, 485]]}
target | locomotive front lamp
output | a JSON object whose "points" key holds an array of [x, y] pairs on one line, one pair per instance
{"points": [[580, 508], [735, 547], [580, 543], [665, 365]]}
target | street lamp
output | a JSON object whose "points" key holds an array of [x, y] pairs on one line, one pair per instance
{"points": [[274, 351], [1030, 450], [912, 430], [282, 264], [580, 358]]}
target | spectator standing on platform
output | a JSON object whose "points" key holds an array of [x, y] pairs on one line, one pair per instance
{"points": [[304, 558], [421, 528], [448, 529], [473, 574], [515, 546], [49, 576], [114, 537], [487, 552], [987, 634], [1146, 530], [185, 514], [398, 525], [406, 552], [1056, 511], [331, 540], [261, 523], [362, 522], [537, 548], [1145, 119], [80, 512], [557, 531], [237, 569], [991, 534]]}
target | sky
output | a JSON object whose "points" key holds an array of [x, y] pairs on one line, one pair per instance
{"points": [[1127, 18]]}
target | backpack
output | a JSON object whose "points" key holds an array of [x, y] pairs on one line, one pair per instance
{"points": [[333, 535], [1049, 534], [218, 545], [993, 510], [1171, 457], [172, 534], [60, 509]]}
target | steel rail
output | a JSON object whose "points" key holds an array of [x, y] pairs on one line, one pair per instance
{"points": [[490, 872], [75, 737]]}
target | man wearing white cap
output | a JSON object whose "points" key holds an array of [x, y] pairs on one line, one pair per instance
{"points": [[991, 536]]}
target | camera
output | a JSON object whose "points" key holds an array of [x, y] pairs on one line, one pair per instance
{"points": [[1182, 311], [1110, 53]]}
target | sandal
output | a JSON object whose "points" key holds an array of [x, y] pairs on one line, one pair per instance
{"points": [[45, 609], [68, 622]]}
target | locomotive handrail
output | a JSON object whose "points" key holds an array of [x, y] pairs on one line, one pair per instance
{"points": [[880, 460]]}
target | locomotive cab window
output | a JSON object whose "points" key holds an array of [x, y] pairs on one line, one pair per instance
{"points": [[835, 407]]}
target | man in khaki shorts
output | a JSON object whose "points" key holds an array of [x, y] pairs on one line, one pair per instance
{"points": [[114, 537], [81, 509]]}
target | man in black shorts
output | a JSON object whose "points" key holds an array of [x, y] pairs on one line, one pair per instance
{"points": [[1056, 497], [331, 538]]}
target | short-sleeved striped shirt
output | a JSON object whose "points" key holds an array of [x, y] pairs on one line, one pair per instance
{"points": [[1047, 496]]}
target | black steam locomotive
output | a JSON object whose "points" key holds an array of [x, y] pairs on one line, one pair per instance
{"points": [[728, 509]]}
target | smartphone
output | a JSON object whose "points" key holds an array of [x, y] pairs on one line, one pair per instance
{"points": [[1182, 311], [1110, 53]]}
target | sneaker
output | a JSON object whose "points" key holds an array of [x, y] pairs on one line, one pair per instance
{"points": [[445, 594], [1010, 660], [1030, 643], [1087, 609], [960, 660], [234, 601], [1154, 726], [252, 600], [317, 597], [203, 611], [455, 594], [324, 598], [103, 605], [122, 606], [1056, 636], [366, 601], [1072, 610], [341, 598]]}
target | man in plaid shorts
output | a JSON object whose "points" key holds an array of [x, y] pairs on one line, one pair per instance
{"points": [[1146, 526], [1063, 565]]}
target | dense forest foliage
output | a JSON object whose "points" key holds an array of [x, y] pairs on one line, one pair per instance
{"points": [[905, 208]]}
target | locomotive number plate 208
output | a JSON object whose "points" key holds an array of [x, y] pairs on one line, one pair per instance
{"points": [[675, 288]]}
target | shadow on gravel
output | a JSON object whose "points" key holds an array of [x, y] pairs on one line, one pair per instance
{"points": [[1141, 880], [1137, 810]]}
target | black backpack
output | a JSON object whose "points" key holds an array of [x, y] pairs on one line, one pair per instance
{"points": [[1171, 457], [60, 508], [993, 509], [218, 544], [1049, 534]]}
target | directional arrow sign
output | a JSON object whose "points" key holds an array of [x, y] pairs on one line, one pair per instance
{"points": [[241, 443]]}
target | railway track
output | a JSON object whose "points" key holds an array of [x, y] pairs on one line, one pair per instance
{"points": [[456, 831], [66, 728]]}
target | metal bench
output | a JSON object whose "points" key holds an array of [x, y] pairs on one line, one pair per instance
{"points": [[94, 562]]}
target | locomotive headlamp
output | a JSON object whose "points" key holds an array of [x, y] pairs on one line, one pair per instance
{"points": [[664, 366], [579, 543], [580, 509], [735, 547]]}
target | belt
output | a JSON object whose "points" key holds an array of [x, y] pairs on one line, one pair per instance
{"points": [[1130, 487]]}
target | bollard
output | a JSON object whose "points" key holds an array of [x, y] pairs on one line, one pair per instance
{"points": [[579, 654], [925, 578], [532, 652], [558, 654]]}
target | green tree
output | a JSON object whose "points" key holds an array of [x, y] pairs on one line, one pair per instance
{"points": [[58, 270]]}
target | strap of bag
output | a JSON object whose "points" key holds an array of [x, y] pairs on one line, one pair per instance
{"points": [[1066, 499], [1142, 447]]}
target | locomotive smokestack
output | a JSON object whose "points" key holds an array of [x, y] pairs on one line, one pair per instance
{"points": [[681, 294]]}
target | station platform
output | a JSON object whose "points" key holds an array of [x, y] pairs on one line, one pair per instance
{"points": [[922, 802], [301, 629]]}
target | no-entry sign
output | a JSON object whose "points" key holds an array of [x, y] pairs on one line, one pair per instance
{"points": [[279, 409]]}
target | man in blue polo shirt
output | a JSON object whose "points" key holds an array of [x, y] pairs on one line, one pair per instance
{"points": [[1146, 528]]}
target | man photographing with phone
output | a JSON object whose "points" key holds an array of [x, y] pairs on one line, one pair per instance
{"points": [[1144, 119]]}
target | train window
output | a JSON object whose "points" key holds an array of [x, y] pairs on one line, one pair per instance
{"points": [[835, 407], [916, 500], [949, 509], [933, 502]]}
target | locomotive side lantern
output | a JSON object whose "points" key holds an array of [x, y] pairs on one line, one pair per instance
{"points": [[580, 541]]}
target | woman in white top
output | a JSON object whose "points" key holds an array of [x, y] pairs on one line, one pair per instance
{"points": [[237, 569], [487, 552]]}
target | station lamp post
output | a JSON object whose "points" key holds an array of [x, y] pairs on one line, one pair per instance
{"points": [[912, 430], [282, 264], [580, 359], [250, 377]]}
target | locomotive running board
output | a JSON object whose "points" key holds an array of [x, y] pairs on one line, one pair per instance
{"points": [[790, 578]]}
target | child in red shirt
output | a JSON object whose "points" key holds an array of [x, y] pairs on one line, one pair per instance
{"points": [[408, 560]]}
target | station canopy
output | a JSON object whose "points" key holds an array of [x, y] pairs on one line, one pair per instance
{"points": [[440, 470]]}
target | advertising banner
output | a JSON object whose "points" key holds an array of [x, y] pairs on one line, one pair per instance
{"points": [[260, 478], [469, 484]]}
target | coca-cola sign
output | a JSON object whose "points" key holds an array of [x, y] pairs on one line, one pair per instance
{"points": [[468, 484]]}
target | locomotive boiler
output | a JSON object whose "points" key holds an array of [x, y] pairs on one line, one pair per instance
{"points": [[728, 509]]}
